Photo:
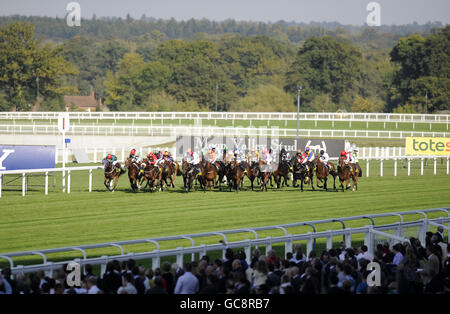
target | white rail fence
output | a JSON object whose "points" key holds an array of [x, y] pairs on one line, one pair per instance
{"points": [[279, 116], [393, 232], [127, 130], [366, 170]]}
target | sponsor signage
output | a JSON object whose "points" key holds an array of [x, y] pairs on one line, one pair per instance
{"points": [[202, 143], [435, 146], [18, 157]]}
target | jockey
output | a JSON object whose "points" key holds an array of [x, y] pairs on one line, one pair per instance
{"points": [[324, 158], [211, 155], [151, 158], [309, 153], [253, 156], [188, 155], [110, 158], [284, 155], [168, 156], [348, 158], [137, 159], [299, 153], [160, 157], [238, 154]]}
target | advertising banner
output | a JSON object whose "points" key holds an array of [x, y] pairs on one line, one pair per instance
{"points": [[435, 146], [18, 157], [203, 143]]}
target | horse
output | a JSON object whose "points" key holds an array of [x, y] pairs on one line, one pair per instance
{"points": [[345, 173], [322, 173], [253, 172], [208, 174], [134, 174], [299, 172], [189, 172], [236, 173], [221, 170], [112, 174], [152, 174], [282, 172], [265, 174]]}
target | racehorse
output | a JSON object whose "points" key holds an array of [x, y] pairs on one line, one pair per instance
{"points": [[208, 174], [345, 174], [152, 174], [133, 174], [265, 174], [235, 174], [322, 173], [282, 172], [299, 172], [112, 175], [253, 171], [221, 170], [189, 173]]}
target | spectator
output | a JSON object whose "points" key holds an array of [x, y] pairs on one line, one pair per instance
{"points": [[168, 277], [138, 280], [211, 286], [112, 279], [187, 283], [260, 274], [5, 287], [363, 253], [159, 286], [362, 286], [398, 257], [431, 268], [92, 285], [440, 234], [242, 284], [128, 285], [334, 289]]}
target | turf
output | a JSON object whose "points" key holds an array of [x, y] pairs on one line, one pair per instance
{"points": [[37, 221]]}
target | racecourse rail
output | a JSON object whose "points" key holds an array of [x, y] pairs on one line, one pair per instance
{"points": [[160, 130], [276, 116], [372, 233], [46, 172]]}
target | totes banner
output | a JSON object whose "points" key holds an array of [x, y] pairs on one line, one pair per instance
{"points": [[435, 146], [203, 143], [18, 157]]}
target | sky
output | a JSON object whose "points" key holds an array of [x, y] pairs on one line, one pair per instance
{"points": [[353, 12]]}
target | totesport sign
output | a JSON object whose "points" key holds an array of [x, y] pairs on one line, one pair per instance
{"points": [[436, 146]]}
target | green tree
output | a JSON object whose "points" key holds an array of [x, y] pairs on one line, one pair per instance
{"points": [[322, 103], [324, 66], [23, 59], [265, 98]]}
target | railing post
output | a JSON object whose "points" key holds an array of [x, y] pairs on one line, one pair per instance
{"points": [[434, 166], [448, 168], [409, 167], [367, 167], [381, 167], [423, 232], [46, 183], [248, 252], [68, 182], [421, 166], [330, 240], [103, 266], [368, 239], [156, 262], [49, 272], [288, 245], [399, 230], [180, 257], [24, 184], [90, 180], [348, 237], [309, 244], [395, 167]]}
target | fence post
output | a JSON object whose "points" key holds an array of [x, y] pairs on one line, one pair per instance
{"points": [[434, 169], [287, 245], [423, 232], [156, 261], [68, 182], [368, 240], [381, 167], [395, 167], [348, 237], [90, 180], [309, 244], [399, 230], [248, 252], [103, 265], [367, 167], [421, 166], [409, 167], [49, 273], [46, 183], [330, 240], [448, 168], [24, 187], [180, 257]]}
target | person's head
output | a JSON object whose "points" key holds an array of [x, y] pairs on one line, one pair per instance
{"points": [[262, 267], [166, 267], [229, 255], [159, 282], [397, 248], [188, 267], [322, 152], [364, 248], [347, 285], [128, 279], [236, 264], [434, 239], [440, 229], [91, 281], [334, 280]]}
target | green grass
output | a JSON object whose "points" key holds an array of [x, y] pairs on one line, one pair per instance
{"points": [[37, 221]]}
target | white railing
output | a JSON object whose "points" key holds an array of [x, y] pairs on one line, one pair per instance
{"points": [[369, 231], [127, 130], [46, 172], [278, 116]]}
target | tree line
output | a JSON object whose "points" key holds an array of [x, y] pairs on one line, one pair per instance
{"points": [[367, 71]]}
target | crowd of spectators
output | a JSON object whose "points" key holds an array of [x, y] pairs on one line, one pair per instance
{"points": [[406, 268]]}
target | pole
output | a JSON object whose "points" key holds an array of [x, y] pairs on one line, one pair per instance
{"points": [[64, 162], [299, 88], [217, 90]]}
